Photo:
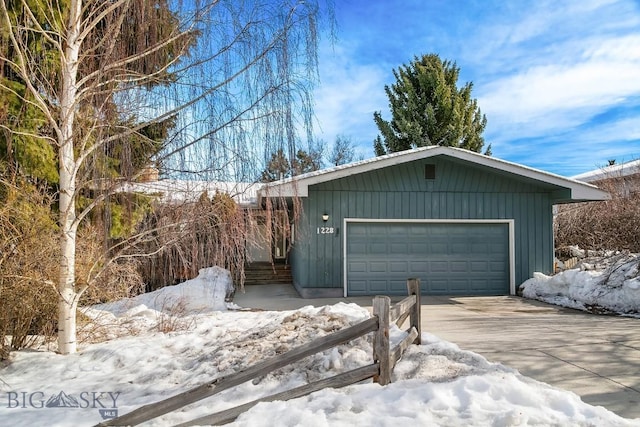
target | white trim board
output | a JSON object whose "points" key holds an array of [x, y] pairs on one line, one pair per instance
{"points": [[298, 186], [509, 222]]}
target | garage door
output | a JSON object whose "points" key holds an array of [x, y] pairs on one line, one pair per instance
{"points": [[449, 258]]}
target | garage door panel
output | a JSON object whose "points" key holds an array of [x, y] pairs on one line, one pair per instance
{"points": [[358, 285], [379, 285], [437, 286], [398, 266], [459, 285], [418, 230], [459, 231], [435, 247], [418, 247], [449, 258], [479, 284], [398, 248], [418, 266], [498, 267], [378, 267], [357, 231], [479, 266], [357, 248], [495, 248], [357, 267], [398, 286], [458, 267], [460, 248], [377, 248], [439, 267], [480, 247], [438, 231], [396, 230]]}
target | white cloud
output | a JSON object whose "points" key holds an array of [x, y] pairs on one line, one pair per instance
{"points": [[627, 129], [348, 96], [575, 150], [563, 95], [546, 74], [560, 82]]}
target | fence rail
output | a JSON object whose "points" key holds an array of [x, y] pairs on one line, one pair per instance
{"points": [[384, 359]]}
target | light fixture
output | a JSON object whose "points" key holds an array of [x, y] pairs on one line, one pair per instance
{"points": [[325, 217]]}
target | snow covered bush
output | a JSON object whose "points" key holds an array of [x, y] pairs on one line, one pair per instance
{"points": [[609, 284]]}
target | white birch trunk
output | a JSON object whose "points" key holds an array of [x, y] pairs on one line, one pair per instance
{"points": [[68, 296]]}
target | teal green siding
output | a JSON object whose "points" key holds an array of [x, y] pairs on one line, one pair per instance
{"points": [[459, 191]]}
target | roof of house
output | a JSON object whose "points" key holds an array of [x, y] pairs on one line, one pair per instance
{"points": [[611, 171], [299, 185], [180, 191]]}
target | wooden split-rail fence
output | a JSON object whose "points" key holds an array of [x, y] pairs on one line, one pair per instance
{"points": [[384, 360]]}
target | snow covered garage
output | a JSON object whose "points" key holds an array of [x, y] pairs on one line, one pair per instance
{"points": [[462, 222]]}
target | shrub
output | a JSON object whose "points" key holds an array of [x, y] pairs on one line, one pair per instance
{"points": [[28, 244], [105, 279], [29, 251], [211, 231], [608, 225]]}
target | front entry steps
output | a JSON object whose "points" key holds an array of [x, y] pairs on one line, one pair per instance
{"points": [[266, 273]]}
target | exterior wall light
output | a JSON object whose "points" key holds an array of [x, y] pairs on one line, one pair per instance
{"points": [[325, 217]]}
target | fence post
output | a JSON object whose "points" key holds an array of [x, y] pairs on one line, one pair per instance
{"points": [[381, 351], [413, 288]]}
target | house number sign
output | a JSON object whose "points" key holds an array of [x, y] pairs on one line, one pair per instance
{"points": [[326, 230]]}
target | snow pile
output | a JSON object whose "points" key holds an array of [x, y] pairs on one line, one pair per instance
{"points": [[606, 284], [137, 370], [204, 293], [434, 384], [166, 309], [447, 387]]}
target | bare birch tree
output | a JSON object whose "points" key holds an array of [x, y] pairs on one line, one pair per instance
{"points": [[234, 76]]}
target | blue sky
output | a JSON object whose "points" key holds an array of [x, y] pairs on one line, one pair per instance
{"points": [[559, 81]]}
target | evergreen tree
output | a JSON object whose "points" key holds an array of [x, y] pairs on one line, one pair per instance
{"points": [[428, 108], [307, 161], [27, 140], [378, 146], [23, 148], [278, 167], [343, 151]]}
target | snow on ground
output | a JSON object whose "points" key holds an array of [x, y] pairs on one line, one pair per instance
{"points": [[435, 384], [602, 284], [165, 309], [205, 292]]}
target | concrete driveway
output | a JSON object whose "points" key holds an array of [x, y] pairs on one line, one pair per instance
{"points": [[597, 357]]}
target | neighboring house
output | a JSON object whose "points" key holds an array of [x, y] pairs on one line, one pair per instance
{"points": [[462, 222], [622, 178]]}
